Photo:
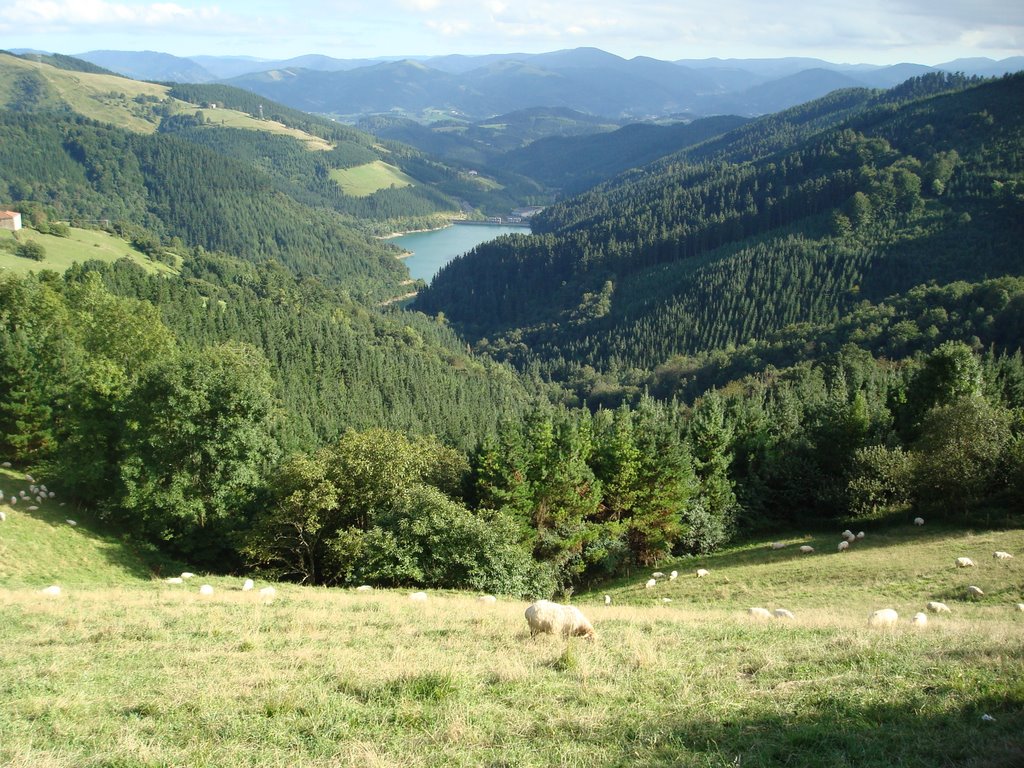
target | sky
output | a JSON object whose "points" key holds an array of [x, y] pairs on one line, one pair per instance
{"points": [[855, 31]]}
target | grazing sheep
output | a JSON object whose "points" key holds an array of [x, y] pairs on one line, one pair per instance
{"points": [[23, 494], [71, 522], [3, 515], [187, 575], [418, 597], [33, 508], [1020, 607], [702, 572], [673, 576], [268, 592], [849, 537], [1002, 555], [248, 585], [843, 546], [364, 588], [759, 613], [964, 562], [666, 599], [806, 549], [847, 534], [918, 521], [657, 575], [51, 495], [545, 617], [6, 465], [920, 619], [974, 591], [651, 583], [174, 580], [30, 478], [885, 617], [487, 599], [13, 501], [607, 599], [860, 534], [782, 613], [936, 607], [777, 545], [53, 590], [206, 589]]}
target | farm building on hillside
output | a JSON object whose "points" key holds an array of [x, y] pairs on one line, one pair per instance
{"points": [[10, 220]]}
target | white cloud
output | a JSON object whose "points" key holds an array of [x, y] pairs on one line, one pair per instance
{"points": [[32, 15]]}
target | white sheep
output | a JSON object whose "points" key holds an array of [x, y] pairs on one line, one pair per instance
{"points": [[860, 534], [33, 508], [1020, 607], [53, 590], [777, 545], [847, 534], [936, 607], [487, 599], [918, 521], [849, 537], [268, 592], [187, 575], [206, 589], [666, 599], [13, 501], [364, 588], [3, 515], [843, 546], [673, 576], [651, 583], [920, 619], [974, 591], [51, 495], [885, 617], [6, 465], [607, 599], [30, 478], [964, 562], [546, 617], [418, 597], [248, 585], [657, 575], [782, 613], [759, 613], [702, 572], [174, 580], [1002, 555], [71, 522], [806, 549]]}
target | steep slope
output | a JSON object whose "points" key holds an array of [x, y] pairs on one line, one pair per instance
{"points": [[865, 196]]}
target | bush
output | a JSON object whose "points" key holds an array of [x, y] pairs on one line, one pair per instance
{"points": [[31, 249]]}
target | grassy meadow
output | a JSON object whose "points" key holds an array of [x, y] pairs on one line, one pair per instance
{"points": [[80, 245], [364, 180], [123, 669]]}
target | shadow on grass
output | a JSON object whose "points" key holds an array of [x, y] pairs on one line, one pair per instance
{"points": [[846, 732], [131, 559]]}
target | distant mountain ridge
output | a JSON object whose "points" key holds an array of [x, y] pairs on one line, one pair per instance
{"points": [[584, 79]]}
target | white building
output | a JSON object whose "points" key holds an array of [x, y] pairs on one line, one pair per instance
{"points": [[10, 220]]}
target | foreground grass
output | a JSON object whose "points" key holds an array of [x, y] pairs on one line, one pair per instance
{"points": [[125, 670]]}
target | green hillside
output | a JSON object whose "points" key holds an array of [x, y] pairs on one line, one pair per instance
{"points": [[120, 665], [709, 248], [79, 246]]}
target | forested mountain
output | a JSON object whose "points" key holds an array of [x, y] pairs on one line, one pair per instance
{"points": [[791, 219], [738, 336]]}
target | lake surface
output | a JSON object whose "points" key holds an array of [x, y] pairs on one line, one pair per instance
{"points": [[432, 250]]}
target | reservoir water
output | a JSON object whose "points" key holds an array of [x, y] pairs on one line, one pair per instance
{"points": [[432, 250]]}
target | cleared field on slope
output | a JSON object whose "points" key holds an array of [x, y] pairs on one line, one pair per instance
{"points": [[368, 178], [80, 245], [132, 671]]}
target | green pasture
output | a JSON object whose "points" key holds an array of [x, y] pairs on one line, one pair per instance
{"points": [[364, 180], [81, 245], [125, 669]]}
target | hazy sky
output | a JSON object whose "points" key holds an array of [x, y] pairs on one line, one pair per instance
{"points": [[872, 31]]}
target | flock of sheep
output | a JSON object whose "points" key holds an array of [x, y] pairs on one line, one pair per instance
{"points": [[545, 616]]}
